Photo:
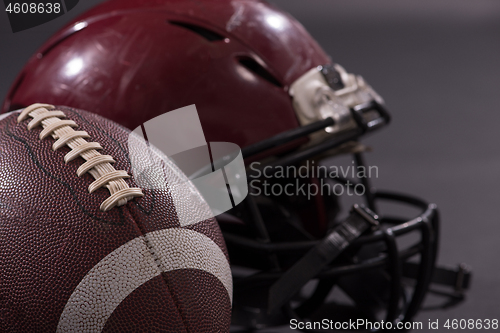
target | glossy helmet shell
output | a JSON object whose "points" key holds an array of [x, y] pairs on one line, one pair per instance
{"points": [[131, 61]]}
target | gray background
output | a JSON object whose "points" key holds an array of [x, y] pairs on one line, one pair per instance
{"points": [[437, 65]]}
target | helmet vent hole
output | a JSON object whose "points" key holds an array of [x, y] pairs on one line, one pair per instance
{"points": [[256, 68], [203, 32]]}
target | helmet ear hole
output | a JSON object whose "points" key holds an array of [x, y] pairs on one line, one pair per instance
{"points": [[203, 32], [256, 68]]}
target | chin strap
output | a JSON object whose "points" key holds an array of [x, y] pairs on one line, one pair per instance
{"points": [[360, 220], [458, 278]]}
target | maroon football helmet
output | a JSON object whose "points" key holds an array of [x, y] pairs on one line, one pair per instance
{"points": [[259, 80]]}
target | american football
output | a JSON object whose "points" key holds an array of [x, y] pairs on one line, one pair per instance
{"points": [[92, 251]]}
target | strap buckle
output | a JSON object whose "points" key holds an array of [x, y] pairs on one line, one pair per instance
{"points": [[367, 214], [370, 116], [462, 278]]}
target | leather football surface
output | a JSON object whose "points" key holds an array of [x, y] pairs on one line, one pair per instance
{"points": [[157, 263]]}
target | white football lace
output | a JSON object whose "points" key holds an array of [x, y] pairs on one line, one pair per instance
{"points": [[98, 165]]}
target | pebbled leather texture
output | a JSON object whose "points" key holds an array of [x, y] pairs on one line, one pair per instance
{"points": [[67, 266]]}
